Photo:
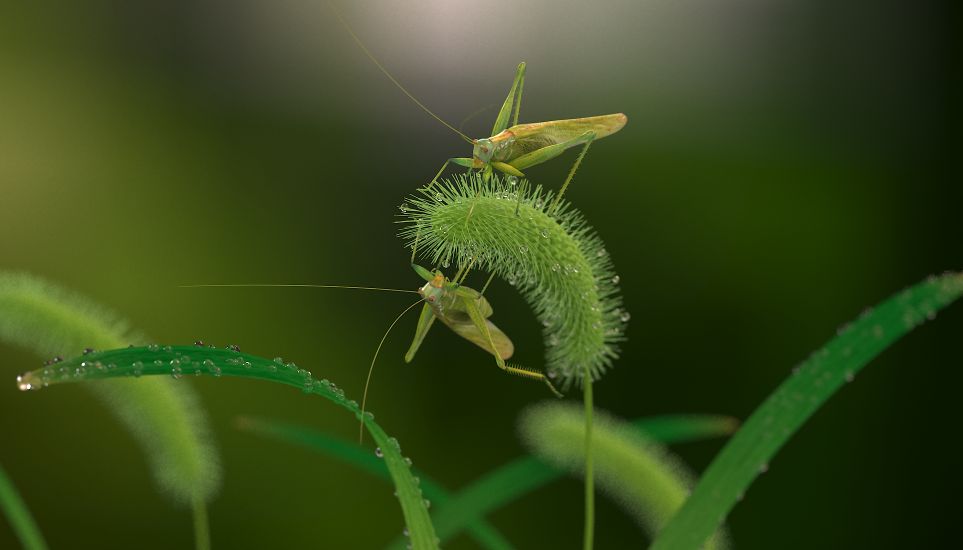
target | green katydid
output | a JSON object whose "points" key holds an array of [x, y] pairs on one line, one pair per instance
{"points": [[464, 310], [512, 149]]}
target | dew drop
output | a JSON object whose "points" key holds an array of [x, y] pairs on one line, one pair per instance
{"points": [[208, 363], [850, 376], [405, 532], [216, 371], [616, 279], [57, 359], [764, 467], [512, 180], [555, 267], [88, 351], [438, 197], [279, 360], [379, 453], [600, 253], [234, 348], [625, 316], [176, 373], [523, 249], [408, 461], [427, 503], [138, 369], [199, 343], [403, 208], [544, 233], [23, 385]]}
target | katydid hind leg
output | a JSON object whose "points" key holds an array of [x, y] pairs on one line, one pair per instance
{"points": [[549, 152], [501, 122], [571, 173]]}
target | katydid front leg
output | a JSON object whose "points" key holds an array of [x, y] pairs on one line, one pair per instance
{"points": [[425, 321]]}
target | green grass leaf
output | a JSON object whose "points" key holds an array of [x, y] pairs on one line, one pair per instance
{"points": [[527, 474], [467, 509], [352, 453], [180, 361], [165, 419], [637, 472], [748, 453], [18, 515]]}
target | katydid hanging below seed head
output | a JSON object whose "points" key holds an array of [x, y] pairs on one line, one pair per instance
{"points": [[464, 310], [512, 149]]}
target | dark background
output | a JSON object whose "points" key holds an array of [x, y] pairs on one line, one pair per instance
{"points": [[785, 165]]}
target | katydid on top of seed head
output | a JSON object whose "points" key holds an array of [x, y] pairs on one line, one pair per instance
{"points": [[512, 149]]}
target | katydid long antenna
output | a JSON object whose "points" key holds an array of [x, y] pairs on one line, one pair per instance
{"points": [[364, 396], [377, 63]]}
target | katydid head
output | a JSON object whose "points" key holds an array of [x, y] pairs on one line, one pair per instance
{"points": [[484, 150]]}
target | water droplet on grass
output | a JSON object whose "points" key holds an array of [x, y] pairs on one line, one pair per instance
{"points": [[379, 453]]}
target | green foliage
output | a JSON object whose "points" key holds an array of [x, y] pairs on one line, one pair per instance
{"points": [[467, 508], [558, 263], [352, 453], [166, 420], [636, 471], [527, 474], [18, 515], [178, 361], [786, 410]]}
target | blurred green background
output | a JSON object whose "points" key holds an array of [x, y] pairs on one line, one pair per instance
{"points": [[785, 165]]}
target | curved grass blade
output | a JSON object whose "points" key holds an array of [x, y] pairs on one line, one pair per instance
{"points": [[166, 421], [772, 424], [178, 361], [527, 474], [19, 516], [352, 453], [640, 474]]}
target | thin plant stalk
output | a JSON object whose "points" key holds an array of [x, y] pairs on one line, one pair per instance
{"points": [[19, 516], [589, 472], [202, 528]]}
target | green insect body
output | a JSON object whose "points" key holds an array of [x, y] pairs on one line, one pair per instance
{"points": [[465, 311], [511, 149], [556, 260]]}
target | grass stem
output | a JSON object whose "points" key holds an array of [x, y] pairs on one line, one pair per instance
{"points": [[589, 473], [19, 516], [202, 528]]}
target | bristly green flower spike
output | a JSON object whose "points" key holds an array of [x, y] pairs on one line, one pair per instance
{"points": [[555, 259]]}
